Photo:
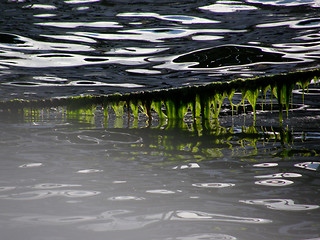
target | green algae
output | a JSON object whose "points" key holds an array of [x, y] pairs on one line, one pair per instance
{"points": [[252, 96], [172, 105]]}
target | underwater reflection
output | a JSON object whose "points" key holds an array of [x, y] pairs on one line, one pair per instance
{"points": [[140, 221]]}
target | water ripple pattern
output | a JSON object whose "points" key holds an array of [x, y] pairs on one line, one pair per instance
{"points": [[213, 185], [137, 222], [41, 194], [68, 174], [281, 204], [99, 48]]}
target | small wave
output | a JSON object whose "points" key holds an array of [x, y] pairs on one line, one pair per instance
{"points": [[281, 204]]}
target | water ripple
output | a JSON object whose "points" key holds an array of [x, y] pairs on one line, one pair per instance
{"points": [[103, 36], [152, 34], [16, 42], [62, 83], [280, 175], [266, 165], [228, 7], [41, 194], [286, 3], [205, 236], [90, 171], [53, 185], [60, 220], [281, 204], [160, 191], [140, 221], [136, 50], [175, 18], [313, 166], [64, 60], [196, 215], [70, 38], [187, 166], [41, 6], [30, 165], [126, 198], [80, 24], [80, 1], [99, 137], [213, 185], [303, 24], [6, 188], [274, 182]]}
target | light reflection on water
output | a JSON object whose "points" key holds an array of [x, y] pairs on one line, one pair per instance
{"points": [[84, 177], [116, 180], [281, 204], [94, 41], [228, 7]]}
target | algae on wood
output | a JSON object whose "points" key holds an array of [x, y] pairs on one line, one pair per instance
{"points": [[203, 102]]}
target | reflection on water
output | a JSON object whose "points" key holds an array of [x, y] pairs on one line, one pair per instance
{"points": [[30, 165], [40, 194], [228, 7], [231, 55], [213, 185], [209, 236], [281, 204], [79, 175], [175, 18], [274, 182], [94, 42], [287, 3], [110, 221]]}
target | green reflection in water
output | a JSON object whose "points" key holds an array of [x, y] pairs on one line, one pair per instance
{"points": [[183, 142], [203, 102]]}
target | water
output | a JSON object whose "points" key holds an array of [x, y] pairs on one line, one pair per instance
{"points": [[68, 48], [87, 177]]}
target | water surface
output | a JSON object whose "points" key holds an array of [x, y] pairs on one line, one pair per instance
{"points": [[64, 48], [67, 176]]}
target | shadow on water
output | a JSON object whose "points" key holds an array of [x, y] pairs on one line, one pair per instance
{"points": [[231, 55]]}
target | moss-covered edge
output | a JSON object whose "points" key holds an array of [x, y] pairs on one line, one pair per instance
{"points": [[203, 101]]}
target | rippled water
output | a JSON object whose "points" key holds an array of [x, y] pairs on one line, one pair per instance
{"points": [[66, 178], [87, 177], [67, 48]]}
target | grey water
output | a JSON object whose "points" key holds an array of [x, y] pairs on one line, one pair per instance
{"points": [[65, 177]]}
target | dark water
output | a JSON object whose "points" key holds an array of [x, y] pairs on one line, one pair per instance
{"points": [[55, 48], [87, 177]]}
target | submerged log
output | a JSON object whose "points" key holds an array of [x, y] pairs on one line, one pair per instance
{"points": [[203, 101]]}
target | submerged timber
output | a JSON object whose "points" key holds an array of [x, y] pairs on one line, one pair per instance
{"points": [[173, 104]]}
